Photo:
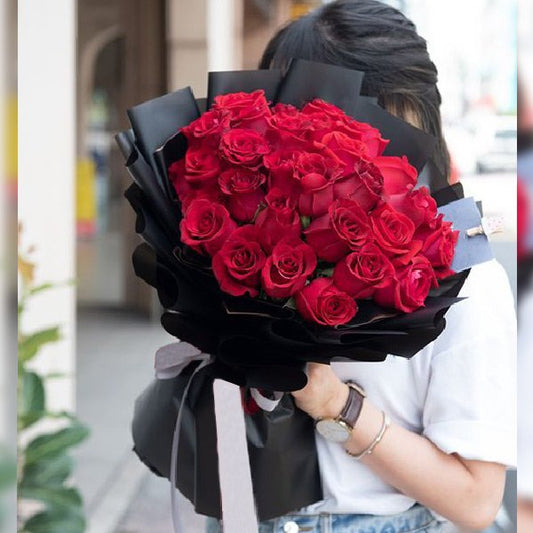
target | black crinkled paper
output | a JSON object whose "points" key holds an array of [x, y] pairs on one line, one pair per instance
{"points": [[255, 343]]}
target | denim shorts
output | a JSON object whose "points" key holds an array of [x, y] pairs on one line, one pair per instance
{"points": [[416, 519]]}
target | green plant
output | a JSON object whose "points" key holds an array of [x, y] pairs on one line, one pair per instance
{"points": [[44, 464]]}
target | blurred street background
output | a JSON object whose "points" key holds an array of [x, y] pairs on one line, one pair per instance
{"points": [[128, 51]]}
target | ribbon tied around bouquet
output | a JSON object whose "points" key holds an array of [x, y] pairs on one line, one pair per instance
{"points": [[238, 508]]}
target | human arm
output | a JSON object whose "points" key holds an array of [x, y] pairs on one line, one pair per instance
{"points": [[464, 491]]}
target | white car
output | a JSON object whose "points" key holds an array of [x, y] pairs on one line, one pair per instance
{"points": [[499, 152]]}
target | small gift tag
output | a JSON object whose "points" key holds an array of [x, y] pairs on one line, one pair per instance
{"points": [[470, 250]]}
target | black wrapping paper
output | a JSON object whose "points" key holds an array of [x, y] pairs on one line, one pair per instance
{"points": [[280, 446], [306, 80]]}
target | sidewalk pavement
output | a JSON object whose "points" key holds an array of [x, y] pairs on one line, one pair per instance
{"points": [[115, 362]]}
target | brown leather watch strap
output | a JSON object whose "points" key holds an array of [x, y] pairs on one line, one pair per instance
{"points": [[352, 409]]}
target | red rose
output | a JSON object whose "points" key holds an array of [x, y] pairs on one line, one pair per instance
{"points": [[280, 200], [345, 227], [318, 106], [243, 109], [345, 148], [410, 287], [237, 266], [287, 269], [176, 175], [187, 192], [418, 205], [394, 233], [288, 127], [365, 133], [280, 165], [205, 226], [364, 185], [319, 125], [243, 189], [206, 129], [316, 173], [398, 175], [243, 148], [201, 165], [439, 245], [361, 273], [342, 123], [278, 220], [325, 304]]}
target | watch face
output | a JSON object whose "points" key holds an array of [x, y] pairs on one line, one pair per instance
{"points": [[333, 430]]}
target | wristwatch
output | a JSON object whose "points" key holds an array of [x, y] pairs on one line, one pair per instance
{"points": [[340, 428]]}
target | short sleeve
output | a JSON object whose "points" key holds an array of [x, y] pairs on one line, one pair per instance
{"points": [[470, 406], [525, 398]]}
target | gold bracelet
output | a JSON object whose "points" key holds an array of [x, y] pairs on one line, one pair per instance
{"points": [[384, 426]]}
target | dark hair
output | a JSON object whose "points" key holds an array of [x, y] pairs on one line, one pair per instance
{"points": [[373, 37]]}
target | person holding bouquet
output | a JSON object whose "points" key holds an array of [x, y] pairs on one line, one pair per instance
{"points": [[406, 444]]}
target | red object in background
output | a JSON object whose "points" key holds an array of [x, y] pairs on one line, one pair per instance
{"points": [[454, 172], [522, 206]]}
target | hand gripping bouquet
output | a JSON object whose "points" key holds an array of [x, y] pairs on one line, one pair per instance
{"points": [[283, 225]]}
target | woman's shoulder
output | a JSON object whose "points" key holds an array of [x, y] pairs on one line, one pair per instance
{"points": [[487, 310], [488, 275]]}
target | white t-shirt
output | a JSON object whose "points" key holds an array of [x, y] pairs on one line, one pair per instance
{"points": [[459, 391], [525, 397]]}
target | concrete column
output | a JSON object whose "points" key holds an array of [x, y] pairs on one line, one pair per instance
{"points": [[46, 162], [202, 35]]}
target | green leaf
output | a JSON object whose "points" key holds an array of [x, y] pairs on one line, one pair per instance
{"points": [[32, 401], [325, 272], [290, 303], [49, 472], [53, 497], [51, 444], [31, 344], [305, 221], [55, 521]]}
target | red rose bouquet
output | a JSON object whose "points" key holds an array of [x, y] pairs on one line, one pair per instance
{"points": [[303, 205], [286, 223]]}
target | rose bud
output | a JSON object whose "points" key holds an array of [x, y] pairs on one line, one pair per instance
{"points": [[205, 226], [237, 265], [278, 220], [409, 288], [394, 234], [243, 109], [362, 183], [202, 166], [345, 227], [439, 245], [323, 303], [360, 273], [398, 175], [243, 147], [287, 269], [418, 205], [242, 188]]}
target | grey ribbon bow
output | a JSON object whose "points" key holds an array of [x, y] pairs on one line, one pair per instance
{"points": [[238, 508]]}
